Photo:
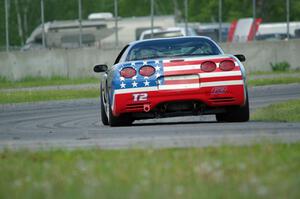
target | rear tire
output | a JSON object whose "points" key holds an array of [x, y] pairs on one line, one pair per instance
{"points": [[236, 114], [104, 118]]}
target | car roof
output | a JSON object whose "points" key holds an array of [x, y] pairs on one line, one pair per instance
{"points": [[171, 38]]}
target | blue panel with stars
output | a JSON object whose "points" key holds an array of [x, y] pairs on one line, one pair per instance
{"points": [[139, 80]]}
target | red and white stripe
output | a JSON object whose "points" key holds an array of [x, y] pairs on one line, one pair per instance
{"points": [[187, 74]]}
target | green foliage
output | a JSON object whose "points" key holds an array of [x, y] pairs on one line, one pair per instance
{"points": [[283, 112], [280, 66], [199, 11], [259, 171]]}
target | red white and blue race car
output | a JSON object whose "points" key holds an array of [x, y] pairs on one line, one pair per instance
{"points": [[173, 77]]}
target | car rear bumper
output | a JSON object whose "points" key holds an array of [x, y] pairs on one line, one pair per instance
{"points": [[147, 100]]}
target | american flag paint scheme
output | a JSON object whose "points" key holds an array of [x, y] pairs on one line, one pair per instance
{"points": [[173, 85]]}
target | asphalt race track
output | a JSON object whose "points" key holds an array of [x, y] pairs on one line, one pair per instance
{"points": [[72, 124]]}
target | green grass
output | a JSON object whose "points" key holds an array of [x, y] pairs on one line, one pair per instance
{"points": [[42, 81], [35, 96], [260, 171], [272, 81], [275, 80], [282, 112], [273, 72]]}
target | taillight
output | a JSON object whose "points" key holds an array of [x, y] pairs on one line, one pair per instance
{"points": [[227, 65], [128, 72], [147, 71], [208, 66]]}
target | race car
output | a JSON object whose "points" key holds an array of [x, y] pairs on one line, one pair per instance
{"points": [[170, 77]]}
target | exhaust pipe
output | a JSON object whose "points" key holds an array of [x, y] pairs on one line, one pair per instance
{"points": [[163, 108], [146, 108], [196, 106]]}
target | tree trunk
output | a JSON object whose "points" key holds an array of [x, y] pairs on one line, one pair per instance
{"points": [[25, 19], [177, 12], [20, 29]]}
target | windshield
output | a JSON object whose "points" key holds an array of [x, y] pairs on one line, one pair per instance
{"points": [[172, 48]]}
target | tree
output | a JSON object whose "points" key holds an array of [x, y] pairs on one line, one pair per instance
{"points": [[25, 14]]}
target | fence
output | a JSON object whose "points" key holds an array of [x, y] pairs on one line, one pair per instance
{"points": [[21, 12]]}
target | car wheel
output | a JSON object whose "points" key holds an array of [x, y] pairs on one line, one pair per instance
{"points": [[236, 114], [104, 118]]}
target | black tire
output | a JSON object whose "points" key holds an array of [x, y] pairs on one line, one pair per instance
{"points": [[104, 118], [236, 114]]}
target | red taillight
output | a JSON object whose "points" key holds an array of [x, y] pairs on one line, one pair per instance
{"points": [[147, 71], [208, 66], [227, 65], [128, 72]]}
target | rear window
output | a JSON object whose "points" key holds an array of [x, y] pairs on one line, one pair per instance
{"points": [[169, 48]]}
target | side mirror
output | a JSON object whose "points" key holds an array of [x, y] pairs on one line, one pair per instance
{"points": [[100, 68], [241, 57]]}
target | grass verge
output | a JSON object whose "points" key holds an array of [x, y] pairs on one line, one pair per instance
{"points": [[47, 95], [273, 72], [288, 111], [278, 80], [42, 81], [259, 171]]}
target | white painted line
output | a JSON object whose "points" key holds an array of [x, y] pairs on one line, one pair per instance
{"points": [[220, 74], [222, 83]]}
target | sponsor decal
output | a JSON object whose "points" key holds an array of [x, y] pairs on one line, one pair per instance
{"points": [[218, 90], [140, 97]]}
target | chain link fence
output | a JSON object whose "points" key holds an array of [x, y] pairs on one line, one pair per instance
{"points": [[36, 24]]}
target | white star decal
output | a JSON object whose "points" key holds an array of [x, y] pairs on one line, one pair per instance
{"points": [[134, 77], [146, 77], [157, 68], [144, 62], [157, 75], [156, 61], [122, 85], [146, 83], [122, 78], [134, 84]]}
